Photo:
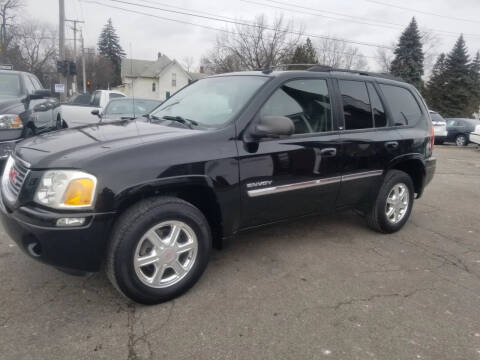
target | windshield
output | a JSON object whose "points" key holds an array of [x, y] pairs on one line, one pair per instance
{"points": [[436, 117], [211, 102], [131, 106], [10, 85]]}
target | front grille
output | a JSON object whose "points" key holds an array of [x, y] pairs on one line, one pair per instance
{"points": [[17, 176]]}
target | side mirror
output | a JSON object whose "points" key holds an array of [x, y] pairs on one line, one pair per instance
{"points": [[95, 112], [40, 94], [273, 127]]}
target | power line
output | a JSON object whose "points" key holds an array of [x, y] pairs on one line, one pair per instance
{"points": [[236, 22], [423, 12], [349, 18], [205, 26]]}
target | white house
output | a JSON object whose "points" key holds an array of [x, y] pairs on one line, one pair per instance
{"points": [[156, 79]]}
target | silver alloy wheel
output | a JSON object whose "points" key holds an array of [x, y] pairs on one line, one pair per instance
{"points": [[460, 140], [397, 203], [165, 254]]}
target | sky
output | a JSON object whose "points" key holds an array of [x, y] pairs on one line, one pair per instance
{"points": [[379, 22]]}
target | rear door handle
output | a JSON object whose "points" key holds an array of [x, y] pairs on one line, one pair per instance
{"points": [[328, 152], [391, 144]]}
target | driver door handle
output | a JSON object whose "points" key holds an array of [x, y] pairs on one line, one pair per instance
{"points": [[328, 152], [391, 144]]}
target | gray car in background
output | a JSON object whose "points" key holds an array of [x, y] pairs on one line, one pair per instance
{"points": [[126, 108]]}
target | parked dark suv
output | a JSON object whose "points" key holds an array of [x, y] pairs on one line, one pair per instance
{"points": [[26, 109], [148, 198]]}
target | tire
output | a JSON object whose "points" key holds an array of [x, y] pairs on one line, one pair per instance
{"points": [[377, 217], [134, 229], [461, 140]]}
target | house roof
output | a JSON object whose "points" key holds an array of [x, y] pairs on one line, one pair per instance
{"points": [[144, 68], [196, 75]]}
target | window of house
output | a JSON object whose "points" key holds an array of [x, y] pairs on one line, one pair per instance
{"points": [[405, 109], [154, 87], [379, 116], [357, 111], [305, 102], [174, 79]]}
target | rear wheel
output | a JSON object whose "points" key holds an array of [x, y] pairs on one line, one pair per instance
{"points": [[461, 140], [394, 202], [159, 249]]}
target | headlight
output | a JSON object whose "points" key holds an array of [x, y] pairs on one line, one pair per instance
{"points": [[66, 189], [10, 121]]}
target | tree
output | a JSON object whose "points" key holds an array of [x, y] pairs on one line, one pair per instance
{"points": [[436, 86], [338, 54], [475, 75], [8, 12], [458, 92], [254, 46], [409, 56], [188, 63], [304, 54], [109, 47]]}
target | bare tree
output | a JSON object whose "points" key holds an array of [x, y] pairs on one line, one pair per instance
{"points": [[253, 46], [36, 42], [338, 54], [431, 43], [188, 63], [8, 12], [384, 59]]}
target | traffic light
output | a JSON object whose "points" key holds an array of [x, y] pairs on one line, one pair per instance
{"points": [[72, 68], [62, 67], [89, 83]]}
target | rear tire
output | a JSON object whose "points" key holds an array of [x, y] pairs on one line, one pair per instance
{"points": [[461, 140], [380, 216], [144, 231]]}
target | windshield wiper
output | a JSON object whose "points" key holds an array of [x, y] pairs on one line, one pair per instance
{"points": [[181, 120]]}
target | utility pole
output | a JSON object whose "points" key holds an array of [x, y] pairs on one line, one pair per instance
{"points": [[75, 22], [61, 33], [83, 66]]}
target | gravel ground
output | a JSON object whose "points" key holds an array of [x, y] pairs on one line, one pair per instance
{"points": [[319, 288]]}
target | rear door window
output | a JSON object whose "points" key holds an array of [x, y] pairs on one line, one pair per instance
{"points": [[405, 109], [357, 111], [97, 95], [379, 116]]}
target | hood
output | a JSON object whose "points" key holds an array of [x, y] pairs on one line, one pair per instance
{"points": [[74, 146], [8, 103]]}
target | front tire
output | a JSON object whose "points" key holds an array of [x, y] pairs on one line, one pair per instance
{"points": [[158, 250], [461, 140], [393, 204]]}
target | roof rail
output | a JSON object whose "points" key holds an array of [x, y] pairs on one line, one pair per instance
{"points": [[324, 68]]}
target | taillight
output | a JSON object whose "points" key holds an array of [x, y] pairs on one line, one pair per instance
{"points": [[432, 137]]}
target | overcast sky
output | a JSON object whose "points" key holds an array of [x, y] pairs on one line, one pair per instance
{"points": [[144, 36]]}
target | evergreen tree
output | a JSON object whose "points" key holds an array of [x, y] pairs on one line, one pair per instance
{"points": [[109, 47], [436, 85], [408, 61], [304, 54], [458, 95], [475, 76]]}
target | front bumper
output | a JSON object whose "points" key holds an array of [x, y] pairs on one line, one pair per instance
{"points": [[74, 248]]}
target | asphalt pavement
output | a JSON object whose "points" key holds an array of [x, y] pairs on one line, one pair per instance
{"points": [[326, 287]]}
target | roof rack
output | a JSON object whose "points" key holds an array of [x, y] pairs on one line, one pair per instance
{"points": [[324, 68]]}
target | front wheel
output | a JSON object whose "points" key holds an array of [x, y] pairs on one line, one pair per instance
{"points": [[393, 204], [159, 249], [461, 140]]}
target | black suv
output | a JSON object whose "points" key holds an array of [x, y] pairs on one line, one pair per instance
{"points": [[148, 198], [26, 109]]}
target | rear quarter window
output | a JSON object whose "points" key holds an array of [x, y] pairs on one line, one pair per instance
{"points": [[403, 105]]}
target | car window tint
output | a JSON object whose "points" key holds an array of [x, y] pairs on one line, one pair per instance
{"points": [[36, 83], [97, 95], [356, 105], [305, 102], [404, 107], [379, 116], [452, 123], [29, 85]]}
